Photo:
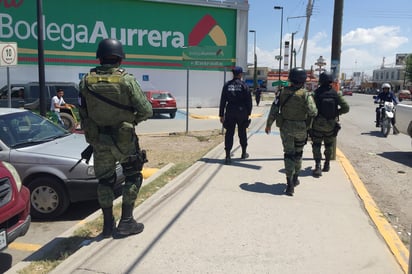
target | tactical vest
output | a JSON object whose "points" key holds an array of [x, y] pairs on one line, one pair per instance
{"points": [[295, 108], [112, 86]]}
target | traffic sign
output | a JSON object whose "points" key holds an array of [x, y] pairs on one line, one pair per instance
{"points": [[8, 54]]}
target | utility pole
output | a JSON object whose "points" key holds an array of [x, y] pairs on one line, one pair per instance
{"points": [[336, 38], [336, 49], [305, 38], [292, 51]]}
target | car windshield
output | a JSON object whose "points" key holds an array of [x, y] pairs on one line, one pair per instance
{"points": [[26, 128]]}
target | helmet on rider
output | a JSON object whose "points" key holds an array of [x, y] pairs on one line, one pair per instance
{"points": [[386, 86], [297, 75], [325, 78], [110, 51]]}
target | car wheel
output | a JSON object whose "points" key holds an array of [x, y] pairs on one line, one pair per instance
{"points": [[172, 115], [48, 198], [68, 121]]}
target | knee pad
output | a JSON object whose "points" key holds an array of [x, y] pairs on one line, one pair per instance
{"points": [[298, 155], [130, 167], [289, 156], [136, 179]]}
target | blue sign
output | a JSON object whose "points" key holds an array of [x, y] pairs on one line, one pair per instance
{"points": [[145, 77], [81, 75]]}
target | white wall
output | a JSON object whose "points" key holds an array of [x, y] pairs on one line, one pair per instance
{"points": [[204, 86]]}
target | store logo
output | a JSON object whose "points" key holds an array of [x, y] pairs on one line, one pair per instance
{"points": [[12, 3], [207, 26]]}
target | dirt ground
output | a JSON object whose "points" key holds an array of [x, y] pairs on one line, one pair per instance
{"points": [[178, 148]]}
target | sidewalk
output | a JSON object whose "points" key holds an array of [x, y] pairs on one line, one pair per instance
{"points": [[216, 218]]}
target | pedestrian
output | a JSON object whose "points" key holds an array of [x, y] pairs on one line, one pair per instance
{"points": [[325, 126], [292, 110], [111, 105], [235, 109], [58, 103], [258, 93]]}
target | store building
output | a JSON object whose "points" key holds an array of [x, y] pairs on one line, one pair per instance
{"points": [[185, 47]]}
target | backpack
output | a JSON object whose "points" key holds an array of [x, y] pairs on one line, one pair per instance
{"points": [[108, 98], [327, 104]]}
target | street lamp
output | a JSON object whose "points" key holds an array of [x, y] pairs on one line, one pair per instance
{"points": [[281, 34], [320, 63], [255, 60]]}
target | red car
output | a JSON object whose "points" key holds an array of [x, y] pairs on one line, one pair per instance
{"points": [[405, 95], [14, 205], [162, 102], [347, 92]]}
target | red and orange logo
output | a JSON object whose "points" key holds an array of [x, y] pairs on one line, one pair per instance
{"points": [[207, 26]]}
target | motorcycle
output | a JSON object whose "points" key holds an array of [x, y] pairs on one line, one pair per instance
{"points": [[387, 112]]}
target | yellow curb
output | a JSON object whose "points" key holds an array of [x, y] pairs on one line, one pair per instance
{"points": [[147, 172], [390, 236], [24, 247]]}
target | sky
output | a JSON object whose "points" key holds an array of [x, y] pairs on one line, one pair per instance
{"points": [[373, 32]]}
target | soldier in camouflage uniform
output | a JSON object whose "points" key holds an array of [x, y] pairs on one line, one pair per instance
{"points": [[292, 110], [111, 105], [323, 129]]}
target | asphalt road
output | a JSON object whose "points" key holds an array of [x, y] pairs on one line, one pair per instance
{"points": [[383, 164]]}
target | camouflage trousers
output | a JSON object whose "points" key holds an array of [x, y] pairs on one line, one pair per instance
{"points": [[105, 158], [293, 144], [317, 139]]}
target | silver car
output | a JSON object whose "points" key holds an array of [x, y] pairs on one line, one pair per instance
{"points": [[44, 155]]}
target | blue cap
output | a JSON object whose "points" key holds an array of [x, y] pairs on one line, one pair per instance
{"points": [[237, 70]]}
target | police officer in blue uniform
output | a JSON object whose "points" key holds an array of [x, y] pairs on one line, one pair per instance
{"points": [[235, 109]]}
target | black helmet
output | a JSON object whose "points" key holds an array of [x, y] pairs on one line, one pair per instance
{"points": [[297, 75], [325, 78], [109, 47]]}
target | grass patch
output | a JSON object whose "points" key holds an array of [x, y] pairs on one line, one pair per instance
{"points": [[191, 152]]}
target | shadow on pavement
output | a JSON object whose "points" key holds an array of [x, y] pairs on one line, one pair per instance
{"points": [[259, 187], [402, 157]]}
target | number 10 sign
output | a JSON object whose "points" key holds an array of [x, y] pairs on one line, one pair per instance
{"points": [[8, 53]]}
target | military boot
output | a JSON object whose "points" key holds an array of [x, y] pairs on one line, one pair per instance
{"points": [[295, 180], [244, 154], [127, 224], [108, 222], [326, 165], [228, 159], [290, 187], [317, 172]]}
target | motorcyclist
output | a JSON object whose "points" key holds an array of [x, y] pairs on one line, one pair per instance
{"points": [[385, 96]]}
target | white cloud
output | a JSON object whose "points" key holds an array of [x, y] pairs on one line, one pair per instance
{"points": [[362, 49]]}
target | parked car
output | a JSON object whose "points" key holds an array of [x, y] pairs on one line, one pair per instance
{"points": [[347, 92], [405, 95], [162, 102], [14, 205], [43, 154], [27, 94]]}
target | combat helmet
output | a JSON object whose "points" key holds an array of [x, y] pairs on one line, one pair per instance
{"points": [[109, 47], [325, 78], [297, 75]]}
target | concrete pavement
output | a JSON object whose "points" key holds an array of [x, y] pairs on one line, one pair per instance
{"points": [[217, 218]]}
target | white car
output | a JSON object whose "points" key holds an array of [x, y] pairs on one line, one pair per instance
{"points": [[44, 155]]}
